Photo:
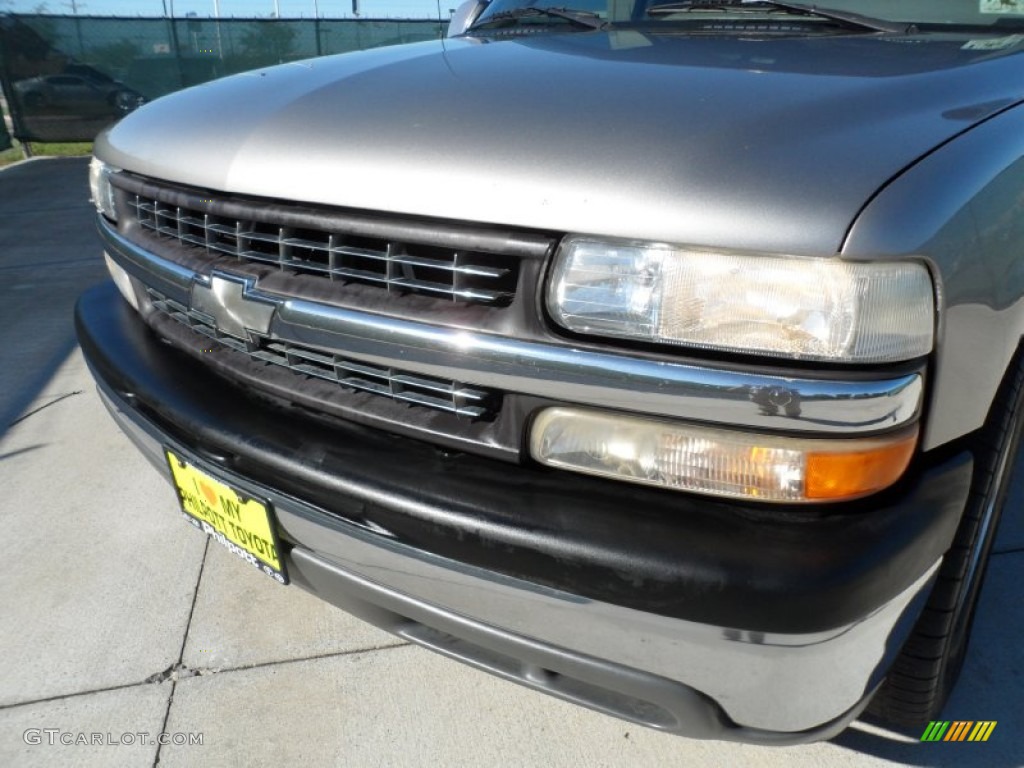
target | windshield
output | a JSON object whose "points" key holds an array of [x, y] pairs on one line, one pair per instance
{"points": [[997, 14]]}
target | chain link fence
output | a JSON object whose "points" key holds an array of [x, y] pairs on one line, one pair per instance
{"points": [[66, 77]]}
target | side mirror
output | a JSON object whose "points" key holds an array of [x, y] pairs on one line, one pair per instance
{"points": [[465, 15]]}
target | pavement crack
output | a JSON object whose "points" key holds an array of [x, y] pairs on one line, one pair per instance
{"points": [[63, 696], [44, 406], [203, 671], [181, 671], [175, 672]]}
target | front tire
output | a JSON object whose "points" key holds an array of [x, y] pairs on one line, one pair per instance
{"points": [[926, 670]]}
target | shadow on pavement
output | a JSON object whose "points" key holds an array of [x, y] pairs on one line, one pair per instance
{"points": [[49, 253]]}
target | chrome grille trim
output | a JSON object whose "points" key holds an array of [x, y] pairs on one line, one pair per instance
{"points": [[396, 266], [563, 372], [406, 387]]}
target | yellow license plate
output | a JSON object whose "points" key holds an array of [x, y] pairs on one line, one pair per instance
{"points": [[243, 525]]}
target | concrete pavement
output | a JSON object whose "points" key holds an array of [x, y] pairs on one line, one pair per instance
{"points": [[119, 619]]}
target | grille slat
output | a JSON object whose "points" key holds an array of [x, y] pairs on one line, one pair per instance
{"points": [[261, 237], [352, 367], [413, 389], [425, 286], [307, 265], [312, 245], [360, 253], [398, 267], [266, 258], [230, 250], [359, 274]]}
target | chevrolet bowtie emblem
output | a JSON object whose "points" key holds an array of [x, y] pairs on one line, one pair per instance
{"points": [[231, 302]]}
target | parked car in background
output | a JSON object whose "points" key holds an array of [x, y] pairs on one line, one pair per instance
{"points": [[77, 94], [661, 356]]}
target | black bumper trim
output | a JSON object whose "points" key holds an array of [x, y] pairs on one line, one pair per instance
{"points": [[671, 554]]}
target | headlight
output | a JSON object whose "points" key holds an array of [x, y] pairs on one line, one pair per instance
{"points": [[719, 462], [804, 308], [102, 191]]}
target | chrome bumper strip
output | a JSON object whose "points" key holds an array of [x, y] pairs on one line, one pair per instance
{"points": [[563, 372]]}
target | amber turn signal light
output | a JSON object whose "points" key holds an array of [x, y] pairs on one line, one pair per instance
{"points": [[858, 473]]}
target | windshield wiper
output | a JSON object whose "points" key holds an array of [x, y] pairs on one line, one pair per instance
{"points": [[844, 17], [580, 18]]}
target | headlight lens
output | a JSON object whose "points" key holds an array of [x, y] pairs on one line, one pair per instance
{"points": [[719, 462], [812, 309], [102, 191]]}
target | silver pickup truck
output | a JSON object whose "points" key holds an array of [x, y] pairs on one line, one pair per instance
{"points": [[660, 356]]}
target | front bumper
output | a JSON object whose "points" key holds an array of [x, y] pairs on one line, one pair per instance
{"points": [[705, 618]]}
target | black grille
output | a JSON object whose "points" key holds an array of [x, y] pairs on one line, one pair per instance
{"points": [[438, 394], [461, 275]]}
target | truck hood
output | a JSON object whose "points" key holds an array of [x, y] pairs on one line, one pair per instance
{"points": [[709, 141]]}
